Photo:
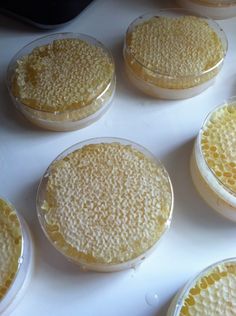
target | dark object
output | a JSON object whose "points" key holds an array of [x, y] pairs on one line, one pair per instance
{"points": [[44, 13]]}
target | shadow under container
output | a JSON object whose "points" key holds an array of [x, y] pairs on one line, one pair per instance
{"points": [[211, 292], [148, 76], [95, 98], [216, 9], [213, 161], [108, 230], [19, 277]]}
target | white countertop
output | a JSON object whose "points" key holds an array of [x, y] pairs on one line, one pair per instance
{"points": [[198, 236]]}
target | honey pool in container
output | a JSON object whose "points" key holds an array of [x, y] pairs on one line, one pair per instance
{"points": [[16, 257], [213, 162], [173, 54], [63, 81], [210, 293], [105, 203], [216, 9]]}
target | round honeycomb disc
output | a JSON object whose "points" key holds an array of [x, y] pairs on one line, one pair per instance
{"points": [[64, 75], [105, 203], [174, 46]]}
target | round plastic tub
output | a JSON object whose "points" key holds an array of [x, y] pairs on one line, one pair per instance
{"points": [[215, 9], [17, 257], [105, 203], [213, 162], [173, 54], [63, 81], [211, 292]]}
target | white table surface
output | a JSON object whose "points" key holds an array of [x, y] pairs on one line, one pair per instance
{"points": [[198, 236]]}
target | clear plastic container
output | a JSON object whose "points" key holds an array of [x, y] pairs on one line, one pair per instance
{"points": [[222, 273], [17, 287], [216, 186], [62, 241], [144, 70], [216, 9], [80, 113]]}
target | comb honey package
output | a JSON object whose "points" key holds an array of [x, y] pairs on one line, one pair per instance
{"points": [[173, 54], [63, 81], [16, 257], [105, 203], [210, 293], [216, 9], [213, 162]]}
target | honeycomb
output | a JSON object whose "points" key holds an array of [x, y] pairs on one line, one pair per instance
{"points": [[65, 78], [213, 294], [10, 246], [218, 145], [106, 203], [75, 115], [174, 52]]}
